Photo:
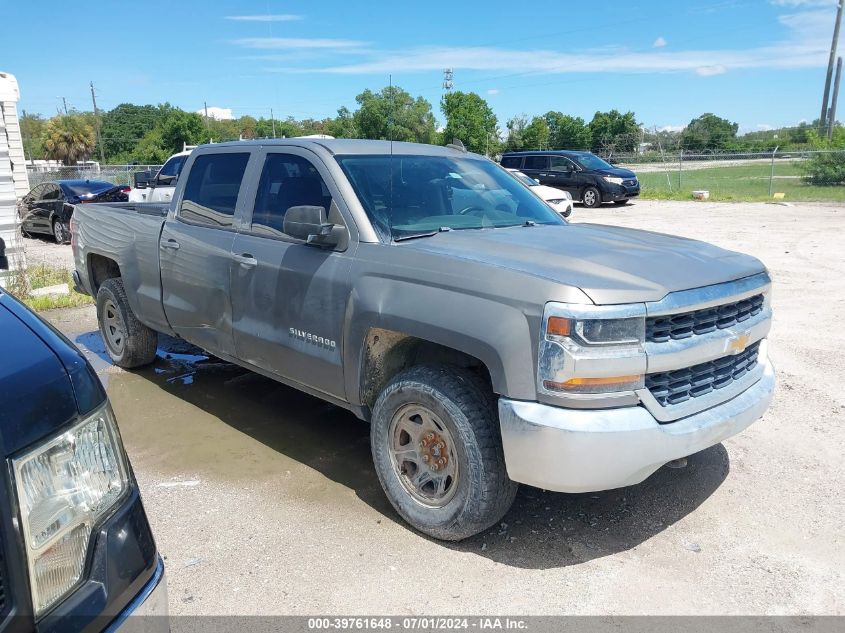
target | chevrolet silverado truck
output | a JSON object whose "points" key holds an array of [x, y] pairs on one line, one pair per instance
{"points": [[487, 341]]}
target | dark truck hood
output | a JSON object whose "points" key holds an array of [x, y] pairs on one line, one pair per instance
{"points": [[609, 264], [45, 382]]}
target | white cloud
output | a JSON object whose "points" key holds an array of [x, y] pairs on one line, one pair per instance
{"points": [[671, 128], [709, 71], [660, 42], [221, 114], [493, 91], [279, 17], [276, 43], [764, 127]]}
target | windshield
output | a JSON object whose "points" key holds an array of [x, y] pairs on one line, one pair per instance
{"points": [[429, 193], [173, 166], [591, 161]]}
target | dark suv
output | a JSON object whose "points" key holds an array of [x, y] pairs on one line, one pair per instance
{"points": [[76, 550], [583, 174]]}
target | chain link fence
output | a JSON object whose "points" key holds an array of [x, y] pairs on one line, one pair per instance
{"points": [[118, 174], [739, 176]]}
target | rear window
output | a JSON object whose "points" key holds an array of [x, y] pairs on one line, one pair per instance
{"points": [[512, 162], [536, 162], [211, 192]]}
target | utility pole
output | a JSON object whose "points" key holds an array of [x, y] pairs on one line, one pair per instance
{"points": [[205, 107], [832, 116], [97, 123], [833, 44], [448, 75], [64, 104], [273, 122]]}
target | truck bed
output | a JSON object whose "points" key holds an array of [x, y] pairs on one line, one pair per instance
{"points": [[127, 233]]}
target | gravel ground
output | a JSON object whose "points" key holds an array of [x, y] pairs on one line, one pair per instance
{"points": [[264, 501], [45, 251]]}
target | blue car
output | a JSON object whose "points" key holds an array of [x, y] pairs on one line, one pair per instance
{"points": [[76, 549]]}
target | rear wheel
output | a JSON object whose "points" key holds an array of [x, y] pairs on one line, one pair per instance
{"points": [[438, 451], [129, 343], [60, 234], [591, 197]]}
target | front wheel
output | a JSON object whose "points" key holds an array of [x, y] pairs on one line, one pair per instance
{"points": [[438, 453], [129, 343], [591, 198]]}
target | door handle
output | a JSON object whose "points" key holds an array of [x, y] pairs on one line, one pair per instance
{"points": [[171, 244], [246, 260]]}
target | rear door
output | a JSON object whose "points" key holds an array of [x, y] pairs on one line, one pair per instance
{"points": [[537, 167], [288, 298], [28, 207], [195, 250]]}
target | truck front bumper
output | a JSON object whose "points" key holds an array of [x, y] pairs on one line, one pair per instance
{"points": [[581, 450], [148, 612]]}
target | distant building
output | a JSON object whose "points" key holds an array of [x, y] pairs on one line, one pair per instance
{"points": [[14, 183]]}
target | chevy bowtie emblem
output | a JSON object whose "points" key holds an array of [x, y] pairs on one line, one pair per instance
{"points": [[739, 343]]}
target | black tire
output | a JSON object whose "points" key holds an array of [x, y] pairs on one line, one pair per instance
{"points": [[467, 409], [591, 198], [59, 233], [620, 203], [137, 345]]}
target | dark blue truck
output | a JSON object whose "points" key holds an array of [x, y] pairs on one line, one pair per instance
{"points": [[76, 549]]}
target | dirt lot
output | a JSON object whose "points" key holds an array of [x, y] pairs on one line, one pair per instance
{"points": [[264, 500]]}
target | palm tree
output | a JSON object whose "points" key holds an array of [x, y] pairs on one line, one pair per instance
{"points": [[68, 138]]}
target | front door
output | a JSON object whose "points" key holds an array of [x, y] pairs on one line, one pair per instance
{"points": [[196, 247], [563, 174], [289, 298]]}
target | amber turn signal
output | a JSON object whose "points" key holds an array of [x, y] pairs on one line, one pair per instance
{"points": [[558, 326]]}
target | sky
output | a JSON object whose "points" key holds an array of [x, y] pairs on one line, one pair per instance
{"points": [[760, 63]]}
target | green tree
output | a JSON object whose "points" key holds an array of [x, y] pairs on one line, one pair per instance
{"points": [[537, 134], [180, 128], [343, 125], [150, 149], [393, 114], [567, 132], [516, 133], [68, 138], [32, 131], [124, 126], [708, 131], [471, 120], [614, 132]]}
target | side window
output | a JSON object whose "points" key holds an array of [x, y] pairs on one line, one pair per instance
{"points": [[286, 181], [536, 162], [35, 194], [512, 162], [560, 163], [211, 192]]}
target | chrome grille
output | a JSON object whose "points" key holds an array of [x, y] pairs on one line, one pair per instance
{"points": [[674, 387], [630, 183], [680, 326]]}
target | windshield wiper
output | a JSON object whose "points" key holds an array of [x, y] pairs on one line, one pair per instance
{"points": [[413, 236]]}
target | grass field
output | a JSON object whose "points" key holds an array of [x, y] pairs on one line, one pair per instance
{"points": [[739, 183]]}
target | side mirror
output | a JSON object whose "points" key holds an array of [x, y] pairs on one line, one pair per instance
{"points": [[309, 223], [165, 181]]}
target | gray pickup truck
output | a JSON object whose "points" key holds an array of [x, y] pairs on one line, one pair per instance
{"points": [[487, 341]]}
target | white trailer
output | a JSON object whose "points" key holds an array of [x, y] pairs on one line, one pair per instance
{"points": [[14, 183]]}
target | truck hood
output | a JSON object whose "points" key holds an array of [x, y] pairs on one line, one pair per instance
{"points": [[609, 264]]}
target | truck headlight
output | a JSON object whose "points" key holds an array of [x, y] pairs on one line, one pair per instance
{"points": [[591, 349], [64, 486], [613, 179]]}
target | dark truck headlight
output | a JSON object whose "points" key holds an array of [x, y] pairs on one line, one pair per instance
{"points": [[591, 350], [64, 487]]}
